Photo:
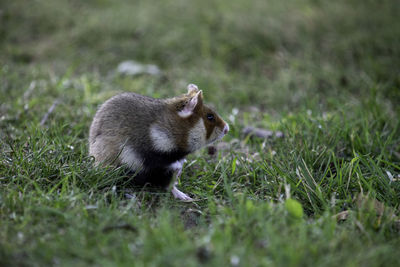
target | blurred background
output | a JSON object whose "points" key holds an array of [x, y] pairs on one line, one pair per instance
{"points": [[323, 74], [279, 56]]}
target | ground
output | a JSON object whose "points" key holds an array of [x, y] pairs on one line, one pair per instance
{"points": [[324, 74]]}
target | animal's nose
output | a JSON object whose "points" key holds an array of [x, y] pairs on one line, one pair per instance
{"points": [[226, 129]]}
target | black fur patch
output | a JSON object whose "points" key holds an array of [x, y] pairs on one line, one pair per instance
{"points": [[156, 171], [156, 159]]}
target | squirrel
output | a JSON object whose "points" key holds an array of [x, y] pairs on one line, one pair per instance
{"points": [[152, 137]]}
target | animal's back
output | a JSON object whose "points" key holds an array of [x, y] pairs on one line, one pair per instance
{"points": [[120, 127]]}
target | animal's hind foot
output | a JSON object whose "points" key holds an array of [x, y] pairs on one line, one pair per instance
{"points": [[180, 195]]}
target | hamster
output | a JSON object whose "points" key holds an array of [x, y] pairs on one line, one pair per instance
{"points": [[152, 136]]}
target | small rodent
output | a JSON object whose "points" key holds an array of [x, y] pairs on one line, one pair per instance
{"points": [[152, 136]]}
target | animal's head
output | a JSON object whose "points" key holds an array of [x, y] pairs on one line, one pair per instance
{"points": [[204, 124]]}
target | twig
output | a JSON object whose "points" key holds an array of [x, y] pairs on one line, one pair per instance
{"points": [[51, 109]]}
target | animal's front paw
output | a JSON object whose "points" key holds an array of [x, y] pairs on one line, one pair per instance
{"points": [[180, 195], [177, 167]]}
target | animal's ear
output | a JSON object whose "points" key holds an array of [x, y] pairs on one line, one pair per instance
{"points": [[192, 89], [189, 107]]}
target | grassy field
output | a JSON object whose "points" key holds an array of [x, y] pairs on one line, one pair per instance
{"points": [[324, 73]]}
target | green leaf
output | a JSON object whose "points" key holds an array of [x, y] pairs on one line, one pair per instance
{"points": [[234, 165], [294, 208]]}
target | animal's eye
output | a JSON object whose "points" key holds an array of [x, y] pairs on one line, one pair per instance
{"points": [[210, 116]]}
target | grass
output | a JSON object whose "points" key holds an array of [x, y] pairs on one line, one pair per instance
{"points": [[324, 74]]}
